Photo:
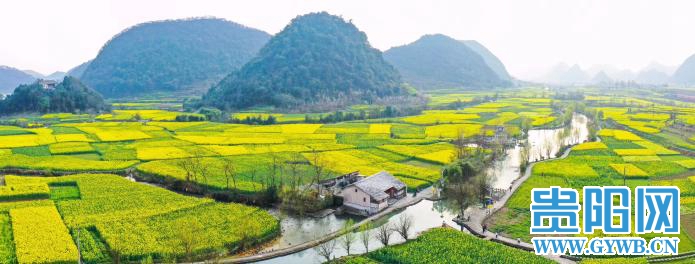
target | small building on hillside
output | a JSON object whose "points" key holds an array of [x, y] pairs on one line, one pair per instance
{"points": [[373, 194], [47, 84]]}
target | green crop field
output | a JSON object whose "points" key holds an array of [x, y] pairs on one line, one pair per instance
{"points": [[443, 245]]}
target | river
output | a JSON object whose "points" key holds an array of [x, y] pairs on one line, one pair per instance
{"points": [[543, 144]]}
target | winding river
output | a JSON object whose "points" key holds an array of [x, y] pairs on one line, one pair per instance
{"points": [[543, 144]]}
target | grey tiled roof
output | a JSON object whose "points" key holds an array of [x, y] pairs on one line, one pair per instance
{"points": [[377, 184]]}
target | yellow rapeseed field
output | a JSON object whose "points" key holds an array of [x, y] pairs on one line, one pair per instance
{"points": [[72, 138], [630, 170], [157, 153], [41, 237], [380, 129], [590, 146]]}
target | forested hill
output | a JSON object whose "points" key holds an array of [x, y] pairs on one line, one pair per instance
{"points": [[686, 72], [317, 59], [171, 55], [78, 70], [490, 59], [438, 61], [69, 96], [11, 78]]}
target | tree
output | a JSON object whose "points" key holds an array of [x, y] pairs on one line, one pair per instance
{"points": [[200, 168], [349, 237], [187, 166], [320, 163], [229, 172], [383, 233], [405, 222], [524, 155], [458, 186], [366, 235], [187, 231], [326, 249], [526, 124], [294, 164], [461, 146]]}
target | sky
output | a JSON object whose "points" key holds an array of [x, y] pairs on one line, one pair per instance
{"points": [[529, 36]]}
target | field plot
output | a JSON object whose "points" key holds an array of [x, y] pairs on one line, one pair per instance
{"points": [[440, 117], [41, 237], [24, 192], [70, 147], [62, 163]]}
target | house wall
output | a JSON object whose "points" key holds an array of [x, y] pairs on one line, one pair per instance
{"points": [[354, 196]]}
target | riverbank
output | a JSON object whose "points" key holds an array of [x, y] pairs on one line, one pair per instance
{"points": [[479, 216]]}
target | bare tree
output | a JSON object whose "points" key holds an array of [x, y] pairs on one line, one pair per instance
{"points": [[405, 222], [326, 249], [273, 168], [383, 233], [320, 164], [187, 166], [366, 235], [524, 154], [202, 170], [229, 172], [252, 175], [349, 237], [294, 165]]}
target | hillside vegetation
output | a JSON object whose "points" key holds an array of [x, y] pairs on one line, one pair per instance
{"points": [[68, 96], [317, 58], [171, 56], [438, 61]]}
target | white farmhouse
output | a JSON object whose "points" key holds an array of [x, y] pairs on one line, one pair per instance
{"points": [[373, 193]]}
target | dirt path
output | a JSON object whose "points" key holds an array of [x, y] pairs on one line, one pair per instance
{"points": [[479, 215]]}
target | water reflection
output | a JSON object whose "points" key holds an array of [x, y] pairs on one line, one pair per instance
{"points": [[425, 215], [542, 144]]}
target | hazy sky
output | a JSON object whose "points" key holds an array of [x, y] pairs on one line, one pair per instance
{"points": [[529, 36]]}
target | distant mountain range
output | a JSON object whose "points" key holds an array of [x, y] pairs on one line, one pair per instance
{"points": [[10, 78], [686, 72], [170, 56], [652, 74], [318, 59], [439, 61]]}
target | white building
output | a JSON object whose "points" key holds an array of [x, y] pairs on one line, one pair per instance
{"points": [[47, 84], [373, 193]]}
